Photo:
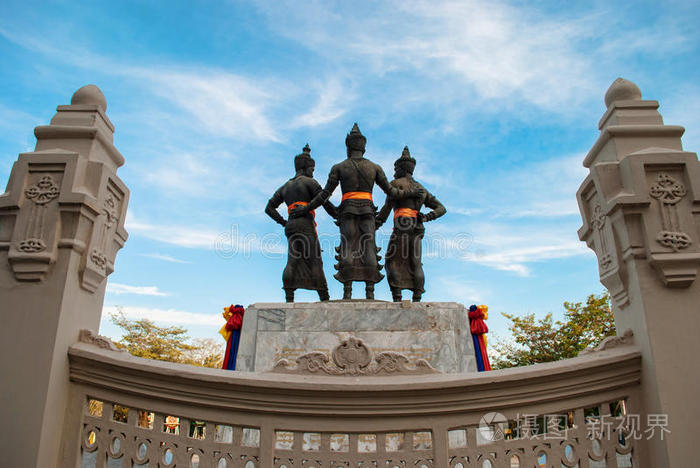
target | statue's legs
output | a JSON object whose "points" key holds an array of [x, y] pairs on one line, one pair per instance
{"points": [[289, 294], [369, 290], [347, 290], [417, 266], [323, 295], [396, 294]]}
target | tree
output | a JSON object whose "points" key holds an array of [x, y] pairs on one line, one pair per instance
{"points": [[143, 338], [534, 341]]}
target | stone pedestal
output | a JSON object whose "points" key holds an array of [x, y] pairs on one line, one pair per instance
{"points": [[435, 331]]}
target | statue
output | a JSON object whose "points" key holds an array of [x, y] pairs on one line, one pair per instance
{"points": [[304, 264], [404, 267], [357, 253]]}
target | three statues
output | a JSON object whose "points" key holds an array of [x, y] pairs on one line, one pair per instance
{"points": [[358, 220]]}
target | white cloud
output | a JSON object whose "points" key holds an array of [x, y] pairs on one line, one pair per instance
{"points": [[333, 102], [167, 316], [117, 288], [224, 103], [165, 258], [515, 259], [226, 243], [494, 50], [221, 102], [182, 174], [538, 190], [183, 236]]}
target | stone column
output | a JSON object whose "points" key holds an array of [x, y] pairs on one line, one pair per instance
{"points": [[61, 225], [640, 206]]}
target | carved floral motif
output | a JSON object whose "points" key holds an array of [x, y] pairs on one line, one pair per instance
{"points": [[43, 191], [668, 191], [40, 194], [353, 357]]}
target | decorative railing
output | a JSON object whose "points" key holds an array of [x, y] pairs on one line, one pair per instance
{"points": [[136, 412]]}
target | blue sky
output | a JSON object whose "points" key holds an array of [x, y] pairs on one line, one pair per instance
{"points": [[498, 102]]}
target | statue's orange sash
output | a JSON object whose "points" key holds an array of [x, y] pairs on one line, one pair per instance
{"points": [[357, 196], [405, 212]]}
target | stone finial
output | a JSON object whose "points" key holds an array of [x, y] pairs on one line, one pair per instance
{"points": [[91, 95], [622, 90]]}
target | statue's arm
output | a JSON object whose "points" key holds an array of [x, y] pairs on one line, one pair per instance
{"points": [[383, 213], [330, 208], [393, 191], [438, 209], [271, 208], [323, 196]]}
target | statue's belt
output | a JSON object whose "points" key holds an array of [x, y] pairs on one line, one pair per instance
{"points": [[357, 196], [405, 213], [297, 204]]}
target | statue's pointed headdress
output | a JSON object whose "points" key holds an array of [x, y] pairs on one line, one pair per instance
{"points": [[303, 159], [355, 139], [406, 161]]}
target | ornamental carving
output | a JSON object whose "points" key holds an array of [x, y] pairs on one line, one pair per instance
{"points": [[354, 358], [40, 194], [43, 191], [668, 191], [605, 260], [90, 337], [626, 339], [101, 250]]}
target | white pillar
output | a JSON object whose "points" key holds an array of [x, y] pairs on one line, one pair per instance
{"points": [[640, 206], [61, 225]]}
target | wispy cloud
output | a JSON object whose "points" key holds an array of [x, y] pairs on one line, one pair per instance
{"points": [[183, 236], [222, 102], [165, 258], [118, 288], [167, 316], [227, 243], [502, 247], [219, 101], [333, 102], [493, 50], [516, 259], [181, 174]]}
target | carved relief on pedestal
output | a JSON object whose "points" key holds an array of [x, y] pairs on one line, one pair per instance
{"points": [[102, 250], [598, 232], [40, 194], [668, 191], [670, 247], [32, 200], [598, 222], [353, 357]]}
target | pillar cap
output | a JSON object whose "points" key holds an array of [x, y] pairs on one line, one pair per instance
{"points": [[91, 95], [622, 90]]}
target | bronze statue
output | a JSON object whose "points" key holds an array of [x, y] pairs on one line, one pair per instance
{"points": [[357, 253], [304, 264], [404, 267]]}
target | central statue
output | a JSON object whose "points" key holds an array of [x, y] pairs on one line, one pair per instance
{"points": [[357, 254]]}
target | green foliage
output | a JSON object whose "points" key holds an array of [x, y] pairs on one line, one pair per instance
{"points": [[534, 341], [143, 338]]}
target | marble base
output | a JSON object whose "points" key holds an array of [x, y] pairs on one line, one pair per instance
{"points": [[435, 331]]}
